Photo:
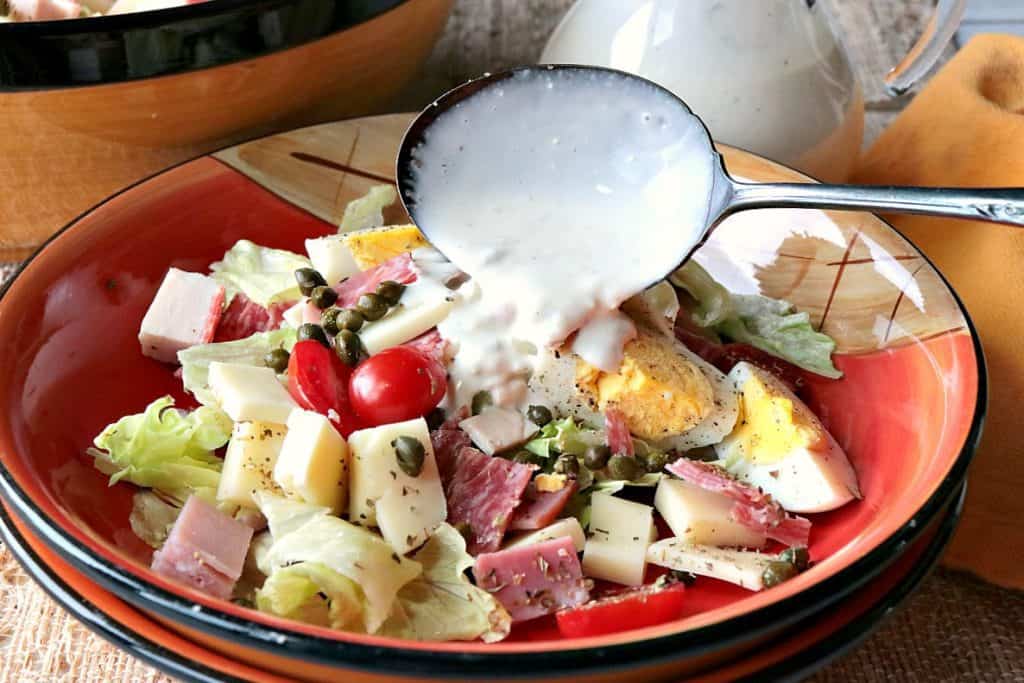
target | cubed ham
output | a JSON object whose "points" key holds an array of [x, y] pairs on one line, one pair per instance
{"points": [[206, 549], [752, 508], [619, 439], [541, 508], [398, 268], [498, 429], [44, 10], [483, 492], [185, 311], [534, 580], [244, 318]]}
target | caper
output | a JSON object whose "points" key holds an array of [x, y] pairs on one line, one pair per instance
{"points": [[435, 418], [372, 306], [348, 346], [624, 467], [596, 457], [685, 578], [776, 572], [539, 415], [309, 279], [409, 453], [323, 297], [329, 320], [350, 319], [481, 400], [798, 557], [655, 461], [567, 464], [465, 530], [277, 360], [311, 331], [390, 291], [525, 457]]}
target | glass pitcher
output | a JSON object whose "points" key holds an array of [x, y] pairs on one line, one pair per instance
{"points": [[771, 76]]}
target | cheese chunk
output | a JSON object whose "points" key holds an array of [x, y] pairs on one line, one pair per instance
{"points": [[423, 305], [295, 316], [249, 392], [569, 526], [406, 509], [331, 257], [249, 462], [702, 517], [498, 429], [184, 312], [622, 530], [742, 567], [313, 465]]}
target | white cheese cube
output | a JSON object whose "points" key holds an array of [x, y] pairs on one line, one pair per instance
{"points": [[744, 568], [406, 509], [331, 258], [622, 531], [184, 312], [294, 316], [423, 305], [250, 392], [702, 517], [569, 526], [498, 429], [249, 462], [313, 465]]}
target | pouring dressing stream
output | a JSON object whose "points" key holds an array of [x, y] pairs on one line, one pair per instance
{"points": [[565, 190]]}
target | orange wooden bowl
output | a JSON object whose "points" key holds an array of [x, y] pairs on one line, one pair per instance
{"points": [[67, 144]]}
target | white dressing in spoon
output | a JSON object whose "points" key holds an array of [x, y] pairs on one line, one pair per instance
{"points": [[562, 194]]}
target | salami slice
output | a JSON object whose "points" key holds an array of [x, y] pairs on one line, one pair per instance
{"points": [[619, 440], [244, 318], [398, 268]]}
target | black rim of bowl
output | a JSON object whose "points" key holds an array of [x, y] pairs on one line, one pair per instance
{"points": [[794, 668], [40, 55], [509, 665]]}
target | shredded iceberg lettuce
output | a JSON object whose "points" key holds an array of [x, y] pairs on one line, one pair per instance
{"points": [[195, 360], [564, 436], [368, 211], [263, 274], [772, 325], [164, 448], [312, 593], [307, 533], [442, 604], [152, 517]]}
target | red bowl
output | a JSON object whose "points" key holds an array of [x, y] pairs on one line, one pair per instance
{"points": [[908, 411]]}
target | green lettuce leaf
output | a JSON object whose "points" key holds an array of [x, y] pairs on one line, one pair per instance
{"points": [[777, 328], [312, 593], [368, 210], [164, 448], [195, 360], [564, 436], [263, 274], [772, 325], [307, 533], [442, 604]]}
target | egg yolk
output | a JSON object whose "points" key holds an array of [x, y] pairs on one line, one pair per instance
{"points": [[768, 429]]}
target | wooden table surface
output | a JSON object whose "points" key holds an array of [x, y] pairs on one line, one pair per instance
{"points": [[955, 629]]}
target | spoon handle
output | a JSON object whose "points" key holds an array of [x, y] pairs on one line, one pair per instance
{"points": [[996, 205]]}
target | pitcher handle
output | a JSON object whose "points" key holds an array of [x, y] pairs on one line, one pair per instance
{"points": [[922, 57]]}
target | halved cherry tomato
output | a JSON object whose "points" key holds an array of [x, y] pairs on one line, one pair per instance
{"points": [[318, 381], [400, 383], [635, 608]]}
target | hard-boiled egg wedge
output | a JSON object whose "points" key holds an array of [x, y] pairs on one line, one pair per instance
{"points": [[780, 446]]}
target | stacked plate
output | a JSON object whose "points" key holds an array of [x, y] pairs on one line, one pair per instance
{"points": [[908, 412]]}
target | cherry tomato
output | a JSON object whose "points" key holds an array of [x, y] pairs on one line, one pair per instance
{"points": [[318, 381], [400, 383], [636, 608]]}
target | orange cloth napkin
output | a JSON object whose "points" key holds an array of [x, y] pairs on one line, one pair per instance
{"points": [[966, 128]]}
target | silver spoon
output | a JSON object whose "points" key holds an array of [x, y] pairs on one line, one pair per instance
{"points": [[998, 205]]}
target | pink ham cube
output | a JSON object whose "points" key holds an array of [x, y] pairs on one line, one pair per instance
{"points": [[184, 312], [44, 10], [206, 549], [541, 508], [534, 580]]}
